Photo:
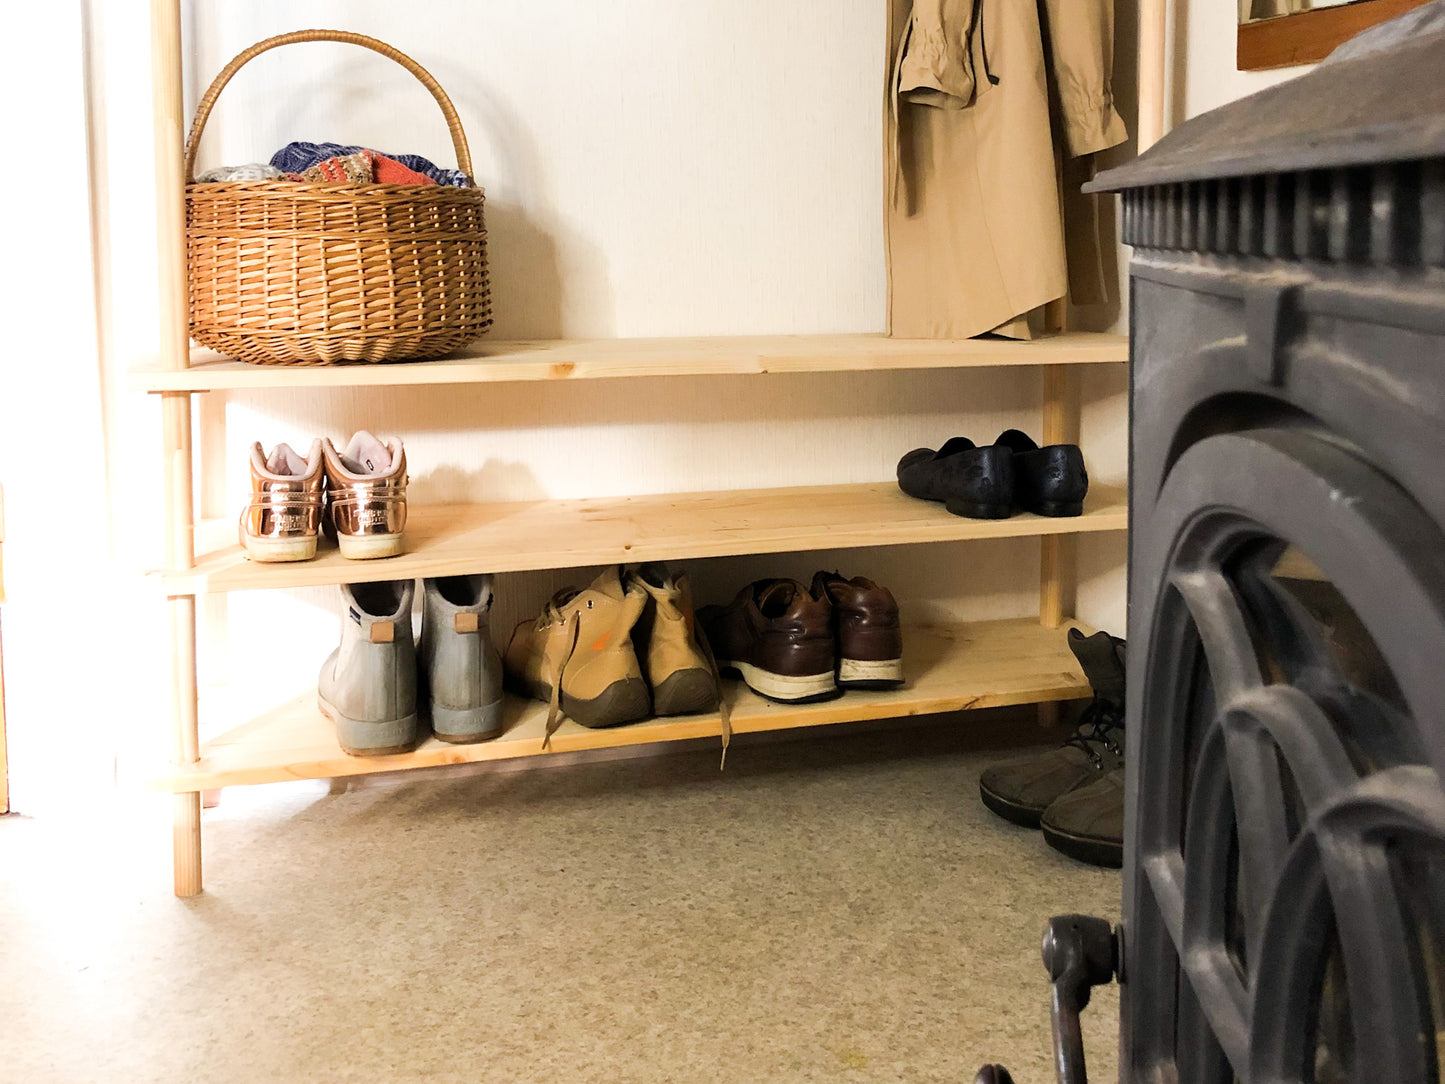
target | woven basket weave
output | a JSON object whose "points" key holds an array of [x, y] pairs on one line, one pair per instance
{"points": [[289, 273]]}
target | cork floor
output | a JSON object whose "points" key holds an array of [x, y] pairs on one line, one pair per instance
{"points": [[838, 909]]}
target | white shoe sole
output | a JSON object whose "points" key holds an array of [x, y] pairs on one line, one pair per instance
{"points": [[782, 686], [882, 671], [280, 549], [365, 547]]}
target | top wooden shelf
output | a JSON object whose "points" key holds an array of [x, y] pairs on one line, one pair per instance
{"points": [[499, 361]]}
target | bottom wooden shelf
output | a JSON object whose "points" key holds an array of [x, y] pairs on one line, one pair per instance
{"points": [[980, 665]]}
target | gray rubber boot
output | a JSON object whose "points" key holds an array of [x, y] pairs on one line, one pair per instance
{"points": [[459, 669], [368, 685]]}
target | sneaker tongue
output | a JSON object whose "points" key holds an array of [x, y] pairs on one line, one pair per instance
{"points": [[285, 462], [1101, 664], [774, 600], [562, 597], [366, 455]]}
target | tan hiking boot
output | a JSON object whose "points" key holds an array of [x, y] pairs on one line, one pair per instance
{"points": [[682, 677], [578, 655], [677, 658]]}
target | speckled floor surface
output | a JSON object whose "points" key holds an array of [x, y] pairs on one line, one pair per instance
{"points": [[841, 909]]}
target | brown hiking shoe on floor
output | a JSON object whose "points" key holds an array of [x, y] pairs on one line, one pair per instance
{"points": [[778, 637], [1088, 823], [870, 639], [578, 655], [682, 677], [1020, 790]]}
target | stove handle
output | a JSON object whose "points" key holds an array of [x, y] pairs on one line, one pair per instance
{"points": [[1080, 952]]}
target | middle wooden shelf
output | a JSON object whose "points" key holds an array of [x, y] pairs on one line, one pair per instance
{"points": [[515, 536]]}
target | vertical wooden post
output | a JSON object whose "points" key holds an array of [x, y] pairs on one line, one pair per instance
{"points": [[1061, 426], [176, 419], [1057, 570], [1153, 30]]}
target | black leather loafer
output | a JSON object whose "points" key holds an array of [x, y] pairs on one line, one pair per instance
{"points": [[1049, 481], [970, 481]]}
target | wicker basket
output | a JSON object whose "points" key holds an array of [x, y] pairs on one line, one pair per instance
{"points": [[287, 273]]}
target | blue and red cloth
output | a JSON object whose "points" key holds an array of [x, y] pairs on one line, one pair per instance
{"points": [[300, 157]]}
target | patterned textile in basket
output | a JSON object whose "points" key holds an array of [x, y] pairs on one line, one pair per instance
{"points": [[284, 272]]}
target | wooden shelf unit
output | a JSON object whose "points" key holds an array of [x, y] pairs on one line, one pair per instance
{"points": [[497, 361], [454, 539], [981, 665], [992, 664]]}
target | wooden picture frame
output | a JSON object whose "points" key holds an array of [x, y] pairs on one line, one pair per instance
{"points": [[1310, 35]]}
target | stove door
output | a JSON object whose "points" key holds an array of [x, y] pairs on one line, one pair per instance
{"points": [[1286, 877]]}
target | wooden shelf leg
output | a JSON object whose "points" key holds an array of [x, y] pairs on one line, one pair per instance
{"points": [[1058, 572], [186, 843], [185, 718], [186, 828], [169, 120]]}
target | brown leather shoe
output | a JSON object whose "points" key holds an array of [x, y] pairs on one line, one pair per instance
{"points": [[778, 637], [870, 638]]}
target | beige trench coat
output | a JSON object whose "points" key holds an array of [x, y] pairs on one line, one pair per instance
{"points": [[975, 230]]}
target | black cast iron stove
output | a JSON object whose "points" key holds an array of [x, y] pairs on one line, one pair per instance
{"points": [[1284, 881]]}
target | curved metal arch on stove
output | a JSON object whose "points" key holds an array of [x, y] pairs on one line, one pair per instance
{"points": [[1382, 553], [1226, 493], [1325, 877]]}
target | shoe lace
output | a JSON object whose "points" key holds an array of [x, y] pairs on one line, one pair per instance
{"points": [[723, 710], [554, 705], [1096, 729]]}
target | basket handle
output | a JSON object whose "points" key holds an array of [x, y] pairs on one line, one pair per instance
{"points": [[203, 110]]}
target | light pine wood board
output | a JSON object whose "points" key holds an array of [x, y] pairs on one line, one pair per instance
{"points": [[449, 540], [489, 361], [982, 665]]}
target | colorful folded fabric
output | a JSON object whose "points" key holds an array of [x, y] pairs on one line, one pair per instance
{"points": [[386, 170], [343, 169], [363, 167], [300, 156]]}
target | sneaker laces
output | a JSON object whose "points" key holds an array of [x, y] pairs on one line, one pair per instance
{"points": [[573, 628], [1096, 728], [723, 711]]}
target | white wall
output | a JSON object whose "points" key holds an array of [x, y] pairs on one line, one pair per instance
{"points": [[652, 168], [1203, 70]]}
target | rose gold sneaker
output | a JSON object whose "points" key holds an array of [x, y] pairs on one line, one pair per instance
{"points": [[366, 486], [284, 514]]}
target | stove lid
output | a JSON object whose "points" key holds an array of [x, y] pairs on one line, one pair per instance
{"points": [[1380, 97]]}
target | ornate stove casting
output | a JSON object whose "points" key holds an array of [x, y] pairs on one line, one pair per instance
{"points": [[1284, 883]]}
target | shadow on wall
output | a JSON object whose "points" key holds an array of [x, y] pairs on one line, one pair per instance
{"points": [[547, 281], [526, 281], [540, 269], [452, 485]]}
